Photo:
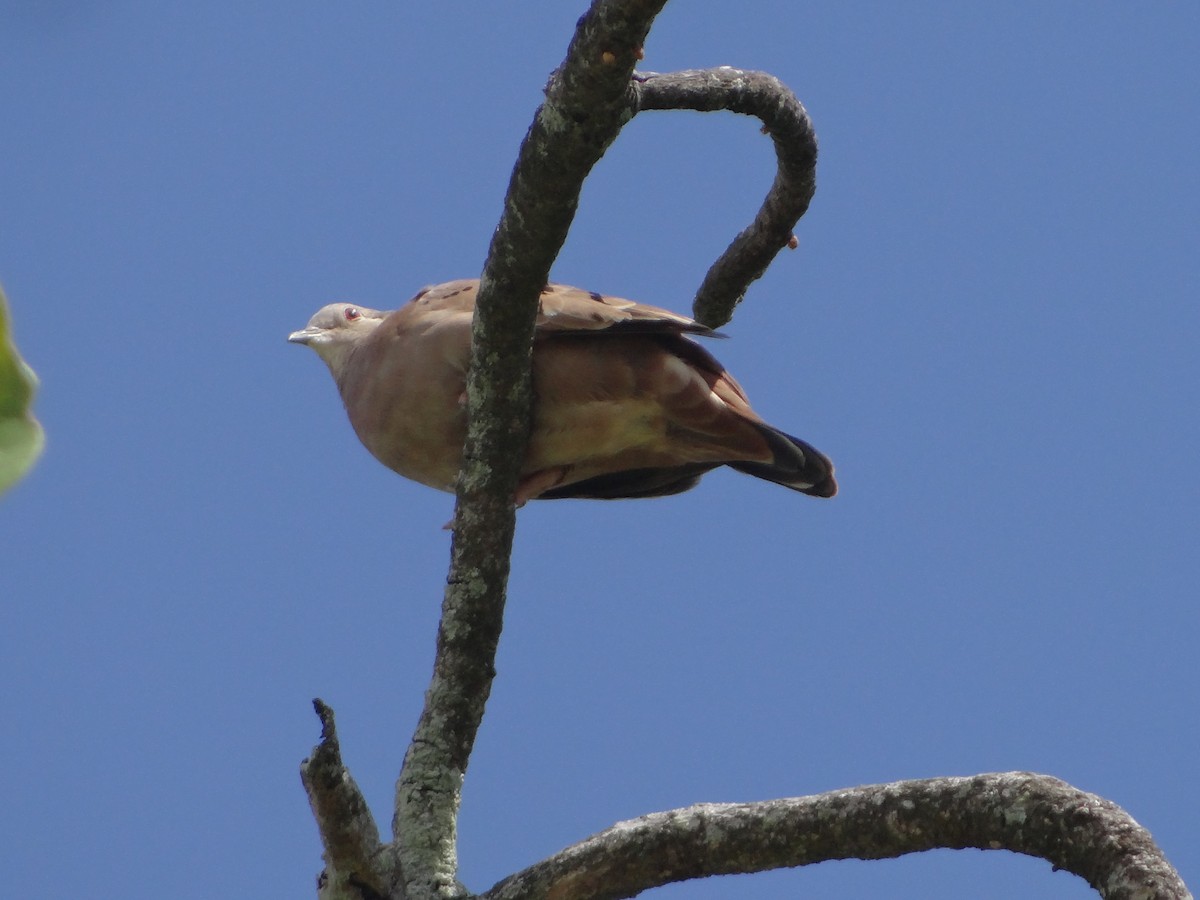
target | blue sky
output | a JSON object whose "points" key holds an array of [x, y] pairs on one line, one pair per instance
{"points": [[990, 324]]}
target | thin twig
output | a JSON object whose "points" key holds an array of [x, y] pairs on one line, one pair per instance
{"points": [[786, 121]]}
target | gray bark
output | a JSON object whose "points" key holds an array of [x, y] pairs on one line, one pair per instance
{"points": [[1025, 813]]}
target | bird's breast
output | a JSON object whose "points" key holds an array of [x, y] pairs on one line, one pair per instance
{"points": [[413, 420]]}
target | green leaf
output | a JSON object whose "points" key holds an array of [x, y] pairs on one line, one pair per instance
{"points": [[21, 437]]}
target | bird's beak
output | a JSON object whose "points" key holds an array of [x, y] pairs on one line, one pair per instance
{"points": [[304, 336]]}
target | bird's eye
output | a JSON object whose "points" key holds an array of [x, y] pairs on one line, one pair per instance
{"points": [[352, 313]]}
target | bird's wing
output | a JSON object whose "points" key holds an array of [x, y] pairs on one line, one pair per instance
{"points": [[569, 310], [563, 309], [449, 297]]}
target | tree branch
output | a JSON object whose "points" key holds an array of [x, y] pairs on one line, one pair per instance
{"points": [[354, 867], [588, 99], [1025, 813], [785, 119]]}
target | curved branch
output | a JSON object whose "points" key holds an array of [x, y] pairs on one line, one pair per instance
{"points": [[588, 99], [1032, 814], [786, 121]]}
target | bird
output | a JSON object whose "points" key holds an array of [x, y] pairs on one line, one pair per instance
{"points": [[625, 403]]}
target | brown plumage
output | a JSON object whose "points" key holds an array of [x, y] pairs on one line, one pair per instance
{"points": [[625, 403]]}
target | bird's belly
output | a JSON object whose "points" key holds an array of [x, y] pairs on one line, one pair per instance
{"points": [[572, 434]]}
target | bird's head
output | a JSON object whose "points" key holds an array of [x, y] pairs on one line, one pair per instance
{"points": [[336, 329]]}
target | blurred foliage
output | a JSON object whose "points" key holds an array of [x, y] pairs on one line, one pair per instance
{"points": [[21, 437]]}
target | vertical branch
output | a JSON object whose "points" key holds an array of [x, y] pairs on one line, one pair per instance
{"points": [[354, 866], [588, 99]]}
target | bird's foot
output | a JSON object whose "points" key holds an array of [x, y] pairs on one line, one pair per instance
{"points": [[532, 485]]}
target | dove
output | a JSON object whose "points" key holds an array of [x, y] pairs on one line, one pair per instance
{"points": [[626, 404]]}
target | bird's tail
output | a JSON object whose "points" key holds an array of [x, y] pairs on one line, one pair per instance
{"points": [[796, 464]]}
